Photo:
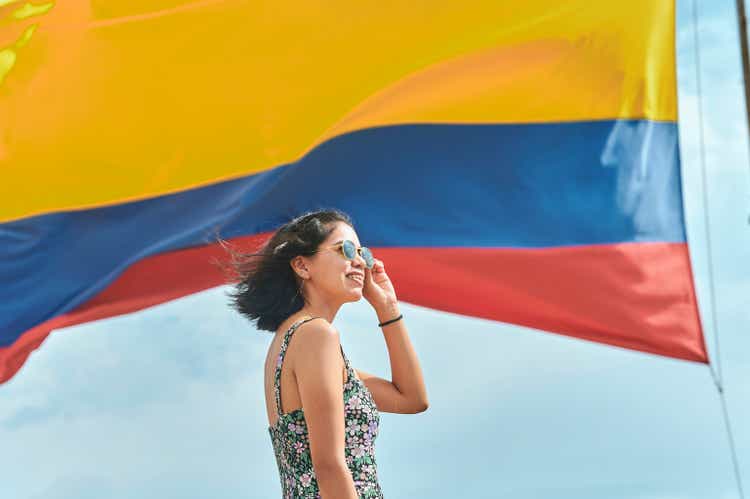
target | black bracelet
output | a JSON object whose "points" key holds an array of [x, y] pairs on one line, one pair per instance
{"points": [[392, 320]]}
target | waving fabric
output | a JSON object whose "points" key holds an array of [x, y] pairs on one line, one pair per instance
{"points": [[516, 161]]}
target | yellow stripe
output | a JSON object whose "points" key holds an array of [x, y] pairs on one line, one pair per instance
{"points": [[30, 10], [141, 98]]}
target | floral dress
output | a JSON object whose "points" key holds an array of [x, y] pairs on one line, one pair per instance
{"points": [[292, 448]]}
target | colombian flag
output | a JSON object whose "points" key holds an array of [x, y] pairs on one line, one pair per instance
{"points": [[516, 161]]}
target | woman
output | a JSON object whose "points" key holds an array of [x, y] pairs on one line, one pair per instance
{"points": [[323, 414]]}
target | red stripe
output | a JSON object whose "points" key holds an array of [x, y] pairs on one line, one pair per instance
{"points": [[635, 295], [152, 281], [638, 296]]}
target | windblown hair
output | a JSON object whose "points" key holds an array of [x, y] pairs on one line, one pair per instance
{"points": [[267, 289]]}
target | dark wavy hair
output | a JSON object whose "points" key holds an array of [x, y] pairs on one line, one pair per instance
{"points": [[266, 288]]}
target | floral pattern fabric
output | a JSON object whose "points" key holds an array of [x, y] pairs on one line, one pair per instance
{"points": [[291, 445]]}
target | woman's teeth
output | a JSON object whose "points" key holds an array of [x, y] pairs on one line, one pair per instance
{"points": [[355, 278]]}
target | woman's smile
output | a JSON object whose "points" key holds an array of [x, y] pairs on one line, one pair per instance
{"points": [[357, 277]]}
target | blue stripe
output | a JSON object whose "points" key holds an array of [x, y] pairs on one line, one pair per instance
{"points": [[517, 186]]}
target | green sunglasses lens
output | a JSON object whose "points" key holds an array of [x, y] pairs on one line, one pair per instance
{"points": [[367, 255], [349, 249]]}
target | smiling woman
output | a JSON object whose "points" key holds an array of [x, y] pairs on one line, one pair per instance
{"points": [[325, 441]]}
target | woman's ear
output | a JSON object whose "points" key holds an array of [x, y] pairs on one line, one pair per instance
{"points": [[300, 267]]}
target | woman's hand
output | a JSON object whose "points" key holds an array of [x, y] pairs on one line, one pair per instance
{"points": [[378, 289]]}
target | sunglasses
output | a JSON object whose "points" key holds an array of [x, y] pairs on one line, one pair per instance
{"points": [[350, 252]]}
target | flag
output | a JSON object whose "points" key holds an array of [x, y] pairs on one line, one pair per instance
{"points": [[515, 161]]}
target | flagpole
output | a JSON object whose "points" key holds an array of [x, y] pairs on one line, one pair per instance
{"points": [[742, 20]]}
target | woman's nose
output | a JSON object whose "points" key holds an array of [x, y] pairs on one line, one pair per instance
{"points": [[359, 261]]}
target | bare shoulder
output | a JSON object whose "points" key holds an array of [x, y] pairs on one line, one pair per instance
{"points": [[317, 333], [318, 345]]}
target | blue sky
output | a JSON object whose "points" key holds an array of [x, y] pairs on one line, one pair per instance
{"points": [[169, 402]]}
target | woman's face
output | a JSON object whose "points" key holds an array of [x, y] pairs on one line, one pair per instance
{"points": [[333, 276]]}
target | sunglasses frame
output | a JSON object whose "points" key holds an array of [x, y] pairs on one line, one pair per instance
{"points": [[357, 249]]}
